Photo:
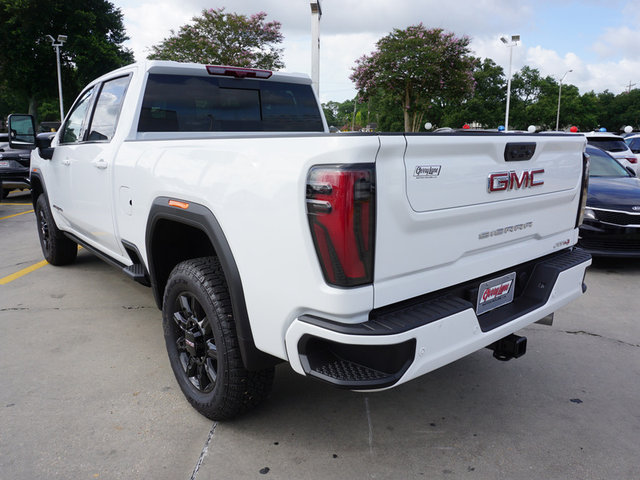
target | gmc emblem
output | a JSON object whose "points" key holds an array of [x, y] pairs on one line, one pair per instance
{"points": [[502, 181]]}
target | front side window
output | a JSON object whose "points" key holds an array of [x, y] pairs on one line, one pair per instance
{"points": [[108, 105], [73, 130], [182, 103]]}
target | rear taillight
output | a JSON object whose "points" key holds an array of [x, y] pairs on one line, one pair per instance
{"points": [[632, 159], [341, 212], [583, 190]]}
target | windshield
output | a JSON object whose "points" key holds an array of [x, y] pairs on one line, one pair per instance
{"points": [[609, 144], [602, 165]]}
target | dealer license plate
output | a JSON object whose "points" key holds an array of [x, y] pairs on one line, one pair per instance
{"points": [[495, 293], [4, 163]]}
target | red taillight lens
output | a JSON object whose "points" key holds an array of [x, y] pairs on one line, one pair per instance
{"points": [[341, 213], [632, 159]]}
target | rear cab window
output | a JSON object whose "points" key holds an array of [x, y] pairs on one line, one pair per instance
{"points": [[186, 103]]}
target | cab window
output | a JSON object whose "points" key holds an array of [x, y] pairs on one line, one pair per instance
{"points": [[107, 110], [73, 130]]}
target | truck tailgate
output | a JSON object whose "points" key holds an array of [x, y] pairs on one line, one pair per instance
{"points": [[461, 206]]}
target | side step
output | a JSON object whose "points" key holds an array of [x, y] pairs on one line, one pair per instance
{"points": [[138, 273]]}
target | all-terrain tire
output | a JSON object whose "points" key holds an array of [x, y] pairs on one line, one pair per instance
{"points": [[201, 340], [56, 247]]}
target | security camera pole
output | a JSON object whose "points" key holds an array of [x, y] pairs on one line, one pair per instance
{"points": [[316, 13], [57, 44]]}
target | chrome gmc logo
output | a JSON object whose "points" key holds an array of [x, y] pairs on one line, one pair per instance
{"points": [[502, 181]]}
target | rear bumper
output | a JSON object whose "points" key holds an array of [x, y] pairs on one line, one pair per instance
{"points": [[404, 341]]}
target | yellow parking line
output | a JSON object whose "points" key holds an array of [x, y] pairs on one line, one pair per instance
{"points": [[16, 214], [22, 273], [16, 204]]}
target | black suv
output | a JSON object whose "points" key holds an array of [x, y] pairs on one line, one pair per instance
{"points": [[14, 167]]}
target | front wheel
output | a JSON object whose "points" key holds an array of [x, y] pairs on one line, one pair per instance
{"points": [[56, 248], [202, 344]]}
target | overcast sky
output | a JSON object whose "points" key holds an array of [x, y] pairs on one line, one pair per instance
{"points": [[599, 41]]}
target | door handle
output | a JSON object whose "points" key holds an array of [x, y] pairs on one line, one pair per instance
{"points": [[100, 163]]}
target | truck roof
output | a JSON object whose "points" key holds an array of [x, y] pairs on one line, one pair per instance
{"points": [[197, 69]]}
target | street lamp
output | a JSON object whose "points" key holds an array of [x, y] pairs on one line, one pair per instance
{"points": [[560, 95], [316, 13], [514, 41], [57, 44]]}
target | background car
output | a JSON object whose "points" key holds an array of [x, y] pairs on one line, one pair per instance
{"points": [[14, 167], [614, 145], [611, 224], [633, 141]]}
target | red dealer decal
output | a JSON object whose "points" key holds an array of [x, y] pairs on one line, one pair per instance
{"points": [[494, 292]]}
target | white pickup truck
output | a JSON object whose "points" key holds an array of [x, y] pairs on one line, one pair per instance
{"points": [[363, 260]]}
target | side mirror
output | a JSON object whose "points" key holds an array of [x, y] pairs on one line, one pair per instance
{"points": [[43, 142], [22, 131], [631, 171]]}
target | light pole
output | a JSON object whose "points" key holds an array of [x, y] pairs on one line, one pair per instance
{"points": [[57, 44], [560, 95], [514, 41], [316, 13]]}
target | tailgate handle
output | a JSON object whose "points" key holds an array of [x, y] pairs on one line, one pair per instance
{"points": [[519, 151]]}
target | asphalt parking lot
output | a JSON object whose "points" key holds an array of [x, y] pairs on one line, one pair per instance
{"points": [[86, 392]]}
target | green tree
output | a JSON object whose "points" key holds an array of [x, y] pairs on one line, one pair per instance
{"points": [[416, 67], [487, 106], [225, 39], [28, 63]]}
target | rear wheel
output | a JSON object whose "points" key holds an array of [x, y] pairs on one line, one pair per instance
{"points": [[56, 248], [202, 344]]}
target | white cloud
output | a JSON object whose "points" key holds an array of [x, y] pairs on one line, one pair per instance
{"points": [[618, 40], [149, 23], [350, 28]]}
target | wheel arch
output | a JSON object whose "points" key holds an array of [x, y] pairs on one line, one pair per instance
{"points": [[176, 234], [37, 187]]}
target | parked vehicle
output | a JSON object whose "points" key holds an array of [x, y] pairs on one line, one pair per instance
{"points": [[615, 145], [363, 260], [633, 142], [612, 219], [14, 167]]}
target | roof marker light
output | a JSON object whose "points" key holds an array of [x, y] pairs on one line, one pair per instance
{"points": [[238, 72]]}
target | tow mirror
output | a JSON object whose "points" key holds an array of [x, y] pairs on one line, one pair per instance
{"points": [[43, 142], [22, 131]]}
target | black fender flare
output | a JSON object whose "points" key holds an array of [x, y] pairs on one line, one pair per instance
{"points": [[200, 217]]}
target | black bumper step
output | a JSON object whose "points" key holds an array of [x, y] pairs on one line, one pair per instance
{"points": [[356, 367]]}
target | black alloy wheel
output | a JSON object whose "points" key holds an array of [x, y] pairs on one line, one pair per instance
{"points": [[202, 344], [56, 247], [195, 343]]}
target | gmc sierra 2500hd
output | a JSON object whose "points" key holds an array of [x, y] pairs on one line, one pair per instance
{"points": [[363, 260]]}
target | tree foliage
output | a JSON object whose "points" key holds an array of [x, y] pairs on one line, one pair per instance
{"points": [[225, 39], [95, 34], [416, 67]]}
